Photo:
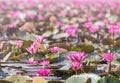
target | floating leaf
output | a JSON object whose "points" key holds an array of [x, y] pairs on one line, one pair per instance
{"points": [[55, 81], [83, 78], [26, 44], [108, 79], [88, 48]]}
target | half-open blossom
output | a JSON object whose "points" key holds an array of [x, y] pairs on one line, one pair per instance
{"points": [[54, 49], [77, 57], [45, 63], [59, 24], [40, 39], [19, 44], [44, 72], [32, 62], [76, 66], [71, 30], [32, 49], [12, 26], [109, 57]]}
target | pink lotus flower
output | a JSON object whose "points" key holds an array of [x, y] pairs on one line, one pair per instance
{"points": [[19, 44], [54, 49], [112, 29], [59, 24], [40, 18], [88, 24], [90, 18], [40, 39], [92, 30], [77, 57], [76, 66], [109, 57], [44, 72], [14, 14], [106, 21], [32, 49], [71, 30], [45, 63], [32, 62], [31, 16], [100, 15], [12, 26]]}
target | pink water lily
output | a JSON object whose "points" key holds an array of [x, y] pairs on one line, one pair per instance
{"points": [[40, 17], [19, 44], [40, 39], [12, 26], [111, 29], [88, 24], [76, 66], [92, 30], [71, 30], [31, 16], [109, 57], [32, 49], [59, 24], [32, 62], [77, 57], [100, 15], [54, 49], [45, 63], [14, 14], [44, 72]]}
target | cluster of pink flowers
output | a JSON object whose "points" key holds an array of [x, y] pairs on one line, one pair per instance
{"points": [[44, 72], [77, 58], [32, 49], [71, 30], [109, 57], [54, 49]]}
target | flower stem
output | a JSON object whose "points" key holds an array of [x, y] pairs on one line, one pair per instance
{"points": [[109, 67]]}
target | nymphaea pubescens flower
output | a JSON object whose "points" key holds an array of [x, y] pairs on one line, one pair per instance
{"points": [[109, 57], [40, 18], [59, 24], [12, 26], [55, 49], [40, 39], [32, 62], [71, 31], [19, 44], [76, 66], [44, 72], [77, 58], [32, 49], [45, 63]]}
